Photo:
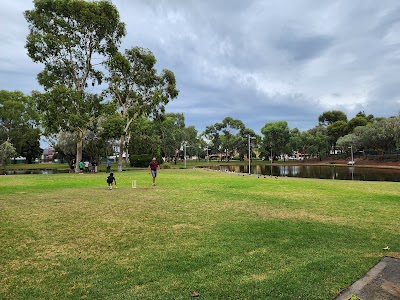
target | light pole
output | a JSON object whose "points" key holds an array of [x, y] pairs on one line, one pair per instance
{"points": [[250, 138], [352, 156], [184, 146], [208, 158]]}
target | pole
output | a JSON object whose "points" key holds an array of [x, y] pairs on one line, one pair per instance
{"points": [[250, 138], [249, 155], [185, 154], [352, 157]]}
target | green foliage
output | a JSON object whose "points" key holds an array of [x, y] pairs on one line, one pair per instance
{"points": [[71, 38], [276, 136], [229, 136], [66, 34], [7, 151], [143, 160], [145, 137], [355, 122], [113, 126], [30, 147], [19, 121], [336, 130], [66, 109], [137, 89], [332, 116], [171, 130]]}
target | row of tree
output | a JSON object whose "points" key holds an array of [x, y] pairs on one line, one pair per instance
{"points": [[167, 135]]}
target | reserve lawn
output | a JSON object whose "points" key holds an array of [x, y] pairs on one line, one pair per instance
{"points": [[225, 236]]}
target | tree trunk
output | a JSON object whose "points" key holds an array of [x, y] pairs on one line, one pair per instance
{"points": [[79, 147], [121, 150]]}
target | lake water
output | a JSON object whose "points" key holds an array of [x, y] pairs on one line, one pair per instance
{"points": [[32, 171], [322, 172], [303, 171]]}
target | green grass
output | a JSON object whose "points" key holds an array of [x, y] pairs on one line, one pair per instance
{"points": [[66, 236]]}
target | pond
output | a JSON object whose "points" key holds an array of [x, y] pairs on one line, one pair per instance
{"points": [[32, 171], [322, 172]]}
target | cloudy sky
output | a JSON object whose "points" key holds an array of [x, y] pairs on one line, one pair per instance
{"points": [[255, 60]]}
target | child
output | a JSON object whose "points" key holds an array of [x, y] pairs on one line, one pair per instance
{"points": [[110, 180]]}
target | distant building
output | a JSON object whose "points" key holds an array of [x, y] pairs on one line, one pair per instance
{"points": [[48, 154]]}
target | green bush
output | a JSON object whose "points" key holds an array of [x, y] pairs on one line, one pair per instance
{"points": [[143, 160], [166, 166]]}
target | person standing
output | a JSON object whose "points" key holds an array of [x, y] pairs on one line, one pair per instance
{"points": [[72, 166], [81, 167], [108, 166], [94, 166], [86, 166], [153, 167]]}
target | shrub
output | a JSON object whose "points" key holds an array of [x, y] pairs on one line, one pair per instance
{"points": [[143, 160], [166, 166]]}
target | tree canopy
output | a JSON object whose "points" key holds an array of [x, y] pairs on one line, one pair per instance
{"points": [[332, 116], [19, 124], [276, 136], [71, 38], [137, 89]]}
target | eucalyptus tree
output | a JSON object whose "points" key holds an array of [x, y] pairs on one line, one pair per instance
{"points": [[145, 138], [190, 134], [19, 123], [294, 140], [243, 142], [64, 143], [394, 125], [211, 139], [71, 38], [320, 146], [137, 89], [379, 136], [69, 110], [276, 136], [7, 151], [350, 141], [226, 136], [170, 128]]}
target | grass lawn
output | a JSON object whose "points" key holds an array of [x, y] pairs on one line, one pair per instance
{"points": [[225, 236]]}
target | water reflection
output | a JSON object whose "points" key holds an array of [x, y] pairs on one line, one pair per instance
{"points": [[32, 171], [322, 172]]}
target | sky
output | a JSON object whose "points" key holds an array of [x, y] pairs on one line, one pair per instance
{"points": [[258, 61]]}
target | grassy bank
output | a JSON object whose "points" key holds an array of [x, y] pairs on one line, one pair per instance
{"points": [[226, 236]]}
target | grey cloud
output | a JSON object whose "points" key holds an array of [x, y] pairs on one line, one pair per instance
{"points": [[301, 48], [258, 61]]}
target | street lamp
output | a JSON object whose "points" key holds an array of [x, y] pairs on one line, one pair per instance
{"points": [[352, 157], [250, 138], [208, 158], [184, 146]]}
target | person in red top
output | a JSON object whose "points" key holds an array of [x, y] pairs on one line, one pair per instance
{"points": [[153, 167]]}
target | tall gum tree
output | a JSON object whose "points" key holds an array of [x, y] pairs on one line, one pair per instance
{"points": [[276, 136], [19, 121], [137, 89], [71, 38]]}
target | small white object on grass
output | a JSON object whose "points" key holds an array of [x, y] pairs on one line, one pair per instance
{"points": [[134, 184], [386, 248]]}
